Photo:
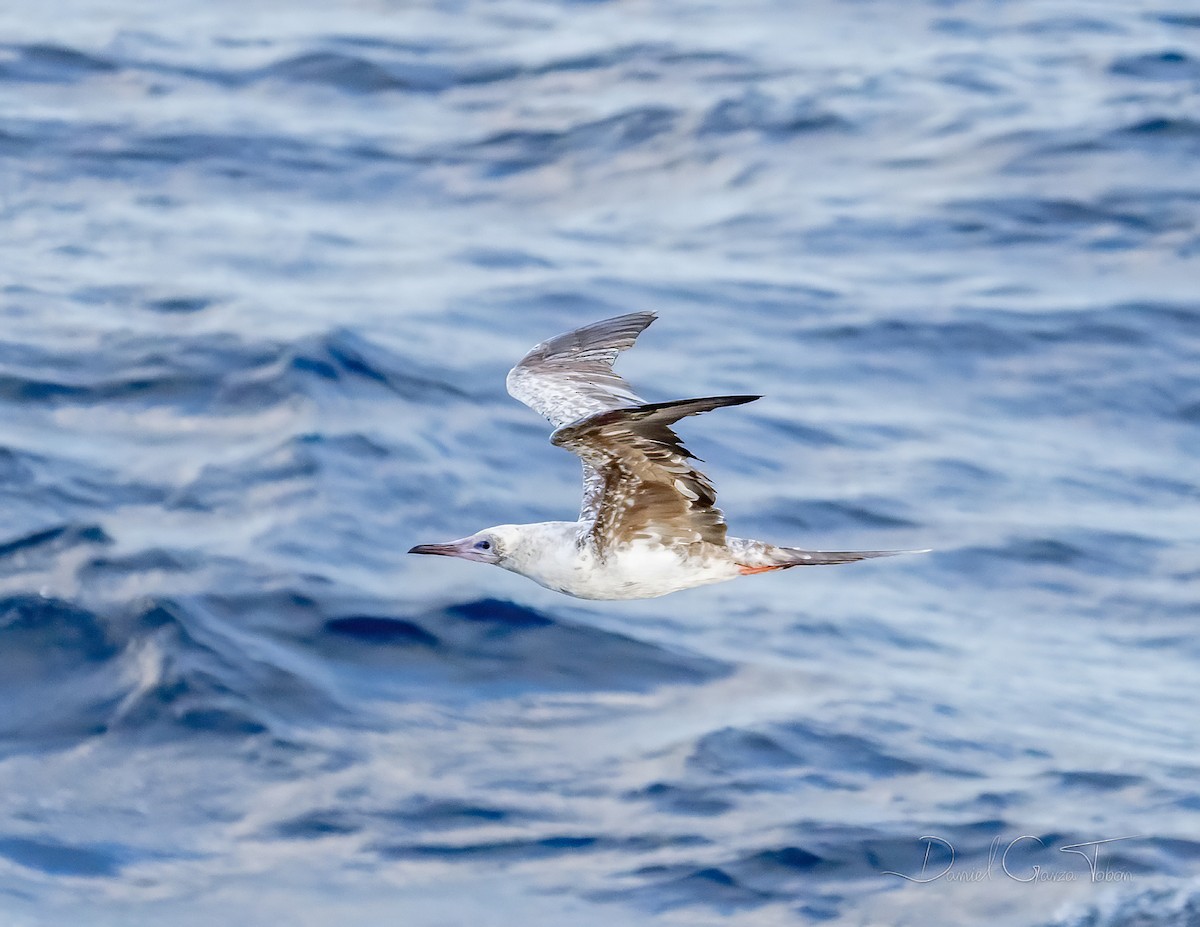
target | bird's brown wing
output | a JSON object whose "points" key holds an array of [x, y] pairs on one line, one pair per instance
{"points": [[650, 490]]}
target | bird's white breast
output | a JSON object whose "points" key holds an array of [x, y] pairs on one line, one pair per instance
{"points": [[634, 571]]}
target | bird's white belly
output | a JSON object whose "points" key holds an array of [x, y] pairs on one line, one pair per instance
{"points": [[638, 571]]}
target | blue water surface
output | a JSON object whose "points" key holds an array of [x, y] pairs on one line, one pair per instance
{"points": [[266, 265]]}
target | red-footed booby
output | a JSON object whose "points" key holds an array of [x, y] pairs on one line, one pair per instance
{"points": [[649, 524]]}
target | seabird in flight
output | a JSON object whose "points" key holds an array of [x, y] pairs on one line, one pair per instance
{"points": [[649, 524]]}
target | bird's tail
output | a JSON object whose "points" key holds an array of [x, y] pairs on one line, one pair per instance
{"points": [[797, 557], [758, 557]]}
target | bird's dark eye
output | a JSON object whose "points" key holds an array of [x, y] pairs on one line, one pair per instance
{"points": [[483, 545]]}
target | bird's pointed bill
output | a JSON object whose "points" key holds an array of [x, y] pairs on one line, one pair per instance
{"points": [[461, 548]]}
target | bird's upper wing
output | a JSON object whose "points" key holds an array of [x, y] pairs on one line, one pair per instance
{"points": [[649, 488], [571, 375]]}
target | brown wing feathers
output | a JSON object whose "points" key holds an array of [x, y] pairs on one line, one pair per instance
{"points": [[650, 490]]}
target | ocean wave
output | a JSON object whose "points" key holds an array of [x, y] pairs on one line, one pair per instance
{"points": [[490, 643], [52, 64]]}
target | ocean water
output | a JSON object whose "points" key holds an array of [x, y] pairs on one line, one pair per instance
{"points": [[265, 267]]}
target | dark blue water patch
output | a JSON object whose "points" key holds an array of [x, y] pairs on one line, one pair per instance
{"points": [[1070, 26], [55, 539], [188, 371], [988, 802], [533, 848], [46, 638], [600, 59], [836, 749], [423, 813], [827, 516], [1042, 550], [45, 63], [356, 74], [1154, 614], [418, 815], [966, 75], [371, 629], [350, 446], [180, 305], [1179, 131], [790, 872], [650, 61], [790, 307], [1162, 66], [213, 372], [364, 65], [756, 111], [671, 798], [1097, 781], [794, 746], [517, 150], [232, 154], [1120, 219], [820, 850], [295, 470], [346, 355], [16, 468], [864, 635], [1190, 412], [500, 613], [960, 27], [502, 259], [1104, 348], [485, 647], [666, 887], [1022, 220], [1182, 20], [1177, 849], [207, 679], [550, 305], [792, 859], [855, 235], [13, 143], [79, 484], [952, 340], [239, 161], [968, 746], [1075, 552], [957, 479], [60, 674], [52, 857], [807, 435], [315, 825], [731, 750], [342, 359], [138, 563]]}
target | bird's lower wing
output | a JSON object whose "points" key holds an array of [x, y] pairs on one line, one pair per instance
{"points": [[649, 488]]}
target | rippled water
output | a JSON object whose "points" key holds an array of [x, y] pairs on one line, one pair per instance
{"points": [[266, 266]]}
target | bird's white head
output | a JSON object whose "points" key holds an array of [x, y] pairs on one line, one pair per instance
{"points": [[491, 545]]}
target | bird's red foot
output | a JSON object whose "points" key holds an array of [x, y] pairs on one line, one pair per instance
{"points": [[748, 570]]}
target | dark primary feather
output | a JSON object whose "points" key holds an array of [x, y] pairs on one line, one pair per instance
{"points": [[650, 489]]}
